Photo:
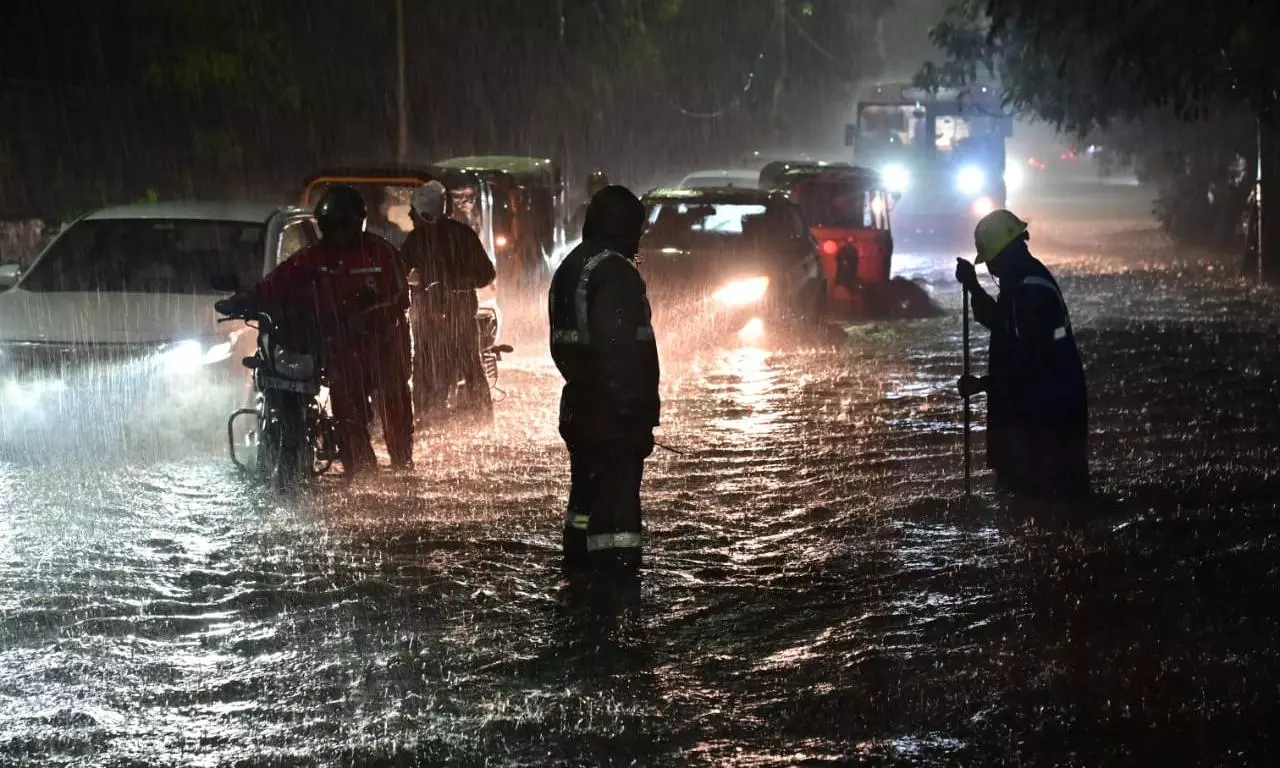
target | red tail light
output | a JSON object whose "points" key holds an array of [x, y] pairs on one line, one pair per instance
{"points": [[830, 247]]}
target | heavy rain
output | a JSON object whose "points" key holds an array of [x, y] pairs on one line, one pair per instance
{"points": [[831, 573]]}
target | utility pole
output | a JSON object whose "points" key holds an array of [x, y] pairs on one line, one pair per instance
{"points": [[780, 85], [402, 142]]}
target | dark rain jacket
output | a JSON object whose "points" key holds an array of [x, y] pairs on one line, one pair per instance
{"points": [[448, 252], [1037, 406], [602, 338]]}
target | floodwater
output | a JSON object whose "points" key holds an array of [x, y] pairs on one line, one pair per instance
{"points": [[817, 590]]}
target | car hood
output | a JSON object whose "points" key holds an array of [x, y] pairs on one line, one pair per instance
{"points": [[104, 318]]}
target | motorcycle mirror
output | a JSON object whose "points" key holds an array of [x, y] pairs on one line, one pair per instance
{"points": [[224, 283]]}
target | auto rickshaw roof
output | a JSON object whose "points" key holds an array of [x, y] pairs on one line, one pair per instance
{"points": [[828, 175], [725, 195], [386, 175], [512, 165], [369, 174]]}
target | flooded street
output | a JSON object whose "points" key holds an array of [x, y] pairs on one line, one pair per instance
{"points": [[816, 587]]}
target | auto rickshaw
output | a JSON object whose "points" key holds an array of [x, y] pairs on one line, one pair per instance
{"points": [[529, 214], [777, 174], [387, 190], [847, 209]]}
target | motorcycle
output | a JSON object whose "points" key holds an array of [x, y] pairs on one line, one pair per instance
{"points": [[295, 437]]}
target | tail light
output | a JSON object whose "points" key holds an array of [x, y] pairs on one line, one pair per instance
{"points": [[830, 247]]}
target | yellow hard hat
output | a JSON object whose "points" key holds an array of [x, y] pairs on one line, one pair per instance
{"points": [[995, 231]]}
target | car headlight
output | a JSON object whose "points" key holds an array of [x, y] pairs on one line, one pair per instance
{"points": [[741, 292], [896, 177], [190, 355], [970, 180]]}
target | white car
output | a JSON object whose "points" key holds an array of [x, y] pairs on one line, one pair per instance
{"points": [[125, 296], [720, 178]]}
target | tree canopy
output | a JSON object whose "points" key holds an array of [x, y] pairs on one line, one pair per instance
{"points": [[1178, 86], [1080, 63]]}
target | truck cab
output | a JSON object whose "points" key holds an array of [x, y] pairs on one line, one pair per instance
{"points": [[942, 151]]}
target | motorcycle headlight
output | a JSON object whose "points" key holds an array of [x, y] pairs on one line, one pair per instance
{"points": [[970, 180], [896, 177], [741, 292], [190, 355]]}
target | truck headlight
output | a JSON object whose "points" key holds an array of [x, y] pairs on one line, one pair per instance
{"points": [[970, 180], [896, 177], [741, 292]]}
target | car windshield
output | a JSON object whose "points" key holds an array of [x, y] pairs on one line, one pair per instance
{"points": [[149, 256], [834, 205], [689, 225]]}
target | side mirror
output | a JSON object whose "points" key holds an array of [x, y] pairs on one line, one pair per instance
{"points": [[9, 274], [225, 283], [850, 130]]}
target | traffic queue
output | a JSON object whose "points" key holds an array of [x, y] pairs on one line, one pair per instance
{"points": [[386, 301]]}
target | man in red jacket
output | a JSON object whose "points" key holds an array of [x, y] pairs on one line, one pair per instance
{"points": [[351, 288]]}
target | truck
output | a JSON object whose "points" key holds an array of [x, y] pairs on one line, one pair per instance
{"points": [[941, 153]]}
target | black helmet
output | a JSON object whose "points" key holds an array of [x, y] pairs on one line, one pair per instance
{"points": [[341, 205]]}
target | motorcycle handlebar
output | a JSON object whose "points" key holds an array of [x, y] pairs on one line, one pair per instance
{"points": [[245, 313]]}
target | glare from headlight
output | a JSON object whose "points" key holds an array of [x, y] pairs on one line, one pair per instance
{"points": [[896, 177], [970, 180], [1013, 177], [742, 292], [28, 394], [753, 330], [191, 355], [982, 206]]}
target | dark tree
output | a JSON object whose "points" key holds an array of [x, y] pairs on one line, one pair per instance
{"points": [[1085, 64]]}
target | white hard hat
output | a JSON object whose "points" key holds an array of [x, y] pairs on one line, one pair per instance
{"points": [[428, 199]]}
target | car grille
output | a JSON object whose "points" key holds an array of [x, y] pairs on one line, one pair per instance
{"points": [[44, 358]]}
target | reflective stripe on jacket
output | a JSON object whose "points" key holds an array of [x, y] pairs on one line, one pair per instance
{"points": [[602, 341]]}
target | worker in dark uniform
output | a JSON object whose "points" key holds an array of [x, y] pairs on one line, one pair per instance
{"points": [[452, 265], [602, 342], [1037, 413]]}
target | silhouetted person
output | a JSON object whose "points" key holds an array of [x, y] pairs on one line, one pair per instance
{"points": [[1037, 413], [602, 341], [451, 264]]}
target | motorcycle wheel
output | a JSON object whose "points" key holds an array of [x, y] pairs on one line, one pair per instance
{"points": [[280, 453]]}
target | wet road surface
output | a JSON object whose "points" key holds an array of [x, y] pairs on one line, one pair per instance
{"points": [[816, 590]]}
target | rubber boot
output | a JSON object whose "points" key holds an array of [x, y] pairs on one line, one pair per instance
{"points": [[574, 546]]}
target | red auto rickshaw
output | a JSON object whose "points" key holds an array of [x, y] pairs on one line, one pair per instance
{"points": [[847, 211]]}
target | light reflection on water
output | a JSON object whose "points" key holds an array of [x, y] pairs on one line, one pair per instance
{"points": [[815, 587]]}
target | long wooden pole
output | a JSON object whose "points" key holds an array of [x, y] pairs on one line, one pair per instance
{"points": [[968, 469]]}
